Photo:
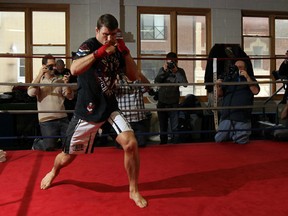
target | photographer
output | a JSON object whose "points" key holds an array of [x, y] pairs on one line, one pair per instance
{"points": [[60, 71], [235, 124], [168, 96], [50, 98]]}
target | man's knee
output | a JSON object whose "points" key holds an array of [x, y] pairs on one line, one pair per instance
{"points": [[127, 140], [220, 137], [242, 138]]}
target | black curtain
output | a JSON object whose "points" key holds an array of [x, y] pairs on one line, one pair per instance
{"points": [[226, 54]]}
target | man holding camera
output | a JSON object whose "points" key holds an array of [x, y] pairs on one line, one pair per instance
{"points": [[52, 125], [235, 124], [168, 96]]}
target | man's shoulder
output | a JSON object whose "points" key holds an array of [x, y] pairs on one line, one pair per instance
{"points": [[91, 42], [181, 71], [87, 47]]}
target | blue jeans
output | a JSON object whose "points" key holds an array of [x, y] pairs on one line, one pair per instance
{"points": [[52, 131], [239, 132], [166, 117], [141, 127]]}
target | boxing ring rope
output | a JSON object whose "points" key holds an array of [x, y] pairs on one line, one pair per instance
{"points": [[263, 106]]}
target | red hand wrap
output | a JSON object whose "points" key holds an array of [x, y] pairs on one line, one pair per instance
{"points": [[121, 44], [122, 47], [101, 52]]}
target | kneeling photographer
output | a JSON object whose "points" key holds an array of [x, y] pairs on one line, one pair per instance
{"points": [[235, 124], [168, 96]]}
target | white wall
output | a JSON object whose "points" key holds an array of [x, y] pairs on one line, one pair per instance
{"points": [[84, 16], [226, 15]]}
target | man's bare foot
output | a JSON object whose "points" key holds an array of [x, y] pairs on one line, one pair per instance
{"points": [[138, 199], [47, 180]]}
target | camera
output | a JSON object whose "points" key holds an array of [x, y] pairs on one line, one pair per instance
{"points": [[233, 74], [67, 73], [171, 65], [50, 67], [153, 93]]}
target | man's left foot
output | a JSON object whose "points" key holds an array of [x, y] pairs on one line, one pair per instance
{"points": [[138, 199]]}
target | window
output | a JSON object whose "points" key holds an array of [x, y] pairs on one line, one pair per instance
{"points": [[48, 38], [260, 43], [281, 43], [12, 29], [21, 70], [153, 27], [37, 25], [183, 31]]}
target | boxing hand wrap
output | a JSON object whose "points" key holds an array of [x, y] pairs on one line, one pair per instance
{"points": [[122, 47], [101, 52], [121, 44]]}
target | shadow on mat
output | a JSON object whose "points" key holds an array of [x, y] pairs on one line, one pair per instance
{"points": [[211, 183]]}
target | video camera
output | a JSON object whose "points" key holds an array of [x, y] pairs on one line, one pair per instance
{"points": [[171, 65], [232, 74], [153, 93], [50, 67]]}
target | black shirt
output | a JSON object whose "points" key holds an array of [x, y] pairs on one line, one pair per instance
{"points": [[237, 95], [170, 94], [96, 98]]}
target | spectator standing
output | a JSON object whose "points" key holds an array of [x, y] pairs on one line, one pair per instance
{"points": [[169, 96], [131, 98]]}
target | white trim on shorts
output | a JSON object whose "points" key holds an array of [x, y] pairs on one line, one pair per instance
{"points": [[81, 139], [119, 122]]}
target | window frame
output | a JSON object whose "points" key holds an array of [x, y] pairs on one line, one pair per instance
{"points": [[28, 9], [272, 16], [174, 12], [154, 26]]}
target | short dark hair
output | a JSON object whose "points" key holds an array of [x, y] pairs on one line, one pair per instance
{"points": [[172, 55], [46, 57], [60, 62], [108, 21]]}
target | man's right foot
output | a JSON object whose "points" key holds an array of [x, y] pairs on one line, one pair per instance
{"points": [[47, 180]]}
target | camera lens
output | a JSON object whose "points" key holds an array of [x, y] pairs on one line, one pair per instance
{"points": [[50, 67], [171, 65]]}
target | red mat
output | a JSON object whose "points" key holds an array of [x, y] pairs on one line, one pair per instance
{"points": [[205, 179]]}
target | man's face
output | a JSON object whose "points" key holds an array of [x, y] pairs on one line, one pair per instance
{"points": [[106, 36], [60, 66], [50, 63]]}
